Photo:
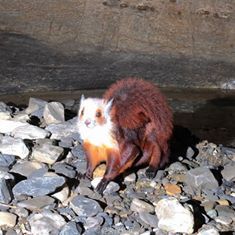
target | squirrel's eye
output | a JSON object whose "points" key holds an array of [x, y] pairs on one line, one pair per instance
{"points": [[98, 114], [82, 112]]}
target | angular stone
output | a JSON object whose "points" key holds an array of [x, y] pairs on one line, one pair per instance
{"points": [[4, 173], [38, 186], [36, 203], [177, 167], [6, 160], [172, 189], [83, 206], [173, 217], [5, 111], [64, 169], [62, 130], [5, 195], [47, 153], [208, 230], [131, 178], [71, 228], [36, 107], [12, 146], [149, 219], [7, 219], [228, 172], [53, 113], [201, 178], [62, 195], [26, 168], [7, 126], [29, 132], [138, 205], [111, 188], [46, 222], [92, 222]]}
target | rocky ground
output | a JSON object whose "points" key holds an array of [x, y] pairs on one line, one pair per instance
{"points": [[41, 155]]}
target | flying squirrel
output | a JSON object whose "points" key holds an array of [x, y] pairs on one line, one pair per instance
{"points": [[129, 127]]}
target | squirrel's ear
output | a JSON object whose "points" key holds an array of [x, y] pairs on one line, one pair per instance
{"points": [[82, 99], [108, 106]]}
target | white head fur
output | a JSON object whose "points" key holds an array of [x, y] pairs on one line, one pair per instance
{"points": [[94, 121]]}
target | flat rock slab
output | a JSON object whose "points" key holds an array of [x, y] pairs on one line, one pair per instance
{"points": [[38, 186], [53, 113], [7, 219], [5, 194]]}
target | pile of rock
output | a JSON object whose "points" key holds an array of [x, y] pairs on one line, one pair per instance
{"points": [[40, 193]]}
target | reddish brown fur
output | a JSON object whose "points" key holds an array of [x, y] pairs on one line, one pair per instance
{"points": [[143, 123]]}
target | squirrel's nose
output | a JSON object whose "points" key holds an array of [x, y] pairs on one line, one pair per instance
{"points": [[88, 122]]}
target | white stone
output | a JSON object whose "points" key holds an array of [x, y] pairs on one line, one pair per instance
{"points": [[138, 205], [53, 113], [173, 217], [12, 146], [62, 195], [208, 230], [7, 126], [7, 219], [5, 112], [47, 153], [29, 132], [96, 181], [36, 107]]}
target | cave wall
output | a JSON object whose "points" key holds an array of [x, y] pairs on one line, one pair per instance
{"points": [[86, 44]]}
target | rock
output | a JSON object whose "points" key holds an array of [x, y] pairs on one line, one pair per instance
{"points": [[201, 178], [7, 126], [212, 213], [177, 167], [229, 152], [131, 178], [53, 113], [6, 160], [149, 219], [64, 169], [5, 111], [12, 146], [45, 223], [223, 220], [99, 171], [228, 172], [7, 219], [111, 188], [21, 212], [92, 222], [71, 228], [62, 195], [190, 153], [208, 230], [223, 202], [62, 130], [172, 189], [36, 203], [29, 132], [225, 211], [96, 181], [83, 206], [26, 168], [38, 186], [4, 173], [47, 153], [36, 107], [173, 217], [5, 194], [138, 205]]}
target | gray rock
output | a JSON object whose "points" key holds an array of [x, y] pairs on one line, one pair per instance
{"points": [[7, 126], [5, 195], [7, 219], [177, 167], [53, 113], [212, 213], [38, 186], [71, 228], [229, 152], [190, 153], [36, 107], [173, 217], [149, 219], [5, 111], [208, 230], [4, 173], [62, 195], [228, 172], [11, 232], [26, 168], [21, 212], [138, 205], [131, 178], [6, 160], [224, 220], [47, 153], [45, 223], [39, 172], [83, 206], [29, 132], [66, 142], [111, 188], [62, 130], [201, 178], [64, 169], [92, 222], [225, 211], [36, 203], [12, 146]]}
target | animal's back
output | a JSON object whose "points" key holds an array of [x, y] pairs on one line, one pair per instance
{"points": [[137, 102]]}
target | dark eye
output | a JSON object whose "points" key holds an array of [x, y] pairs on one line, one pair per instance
{"points": [[82, 112], [98, 114]]}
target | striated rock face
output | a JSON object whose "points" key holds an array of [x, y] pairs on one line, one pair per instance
{"points": [[83, 44]]}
